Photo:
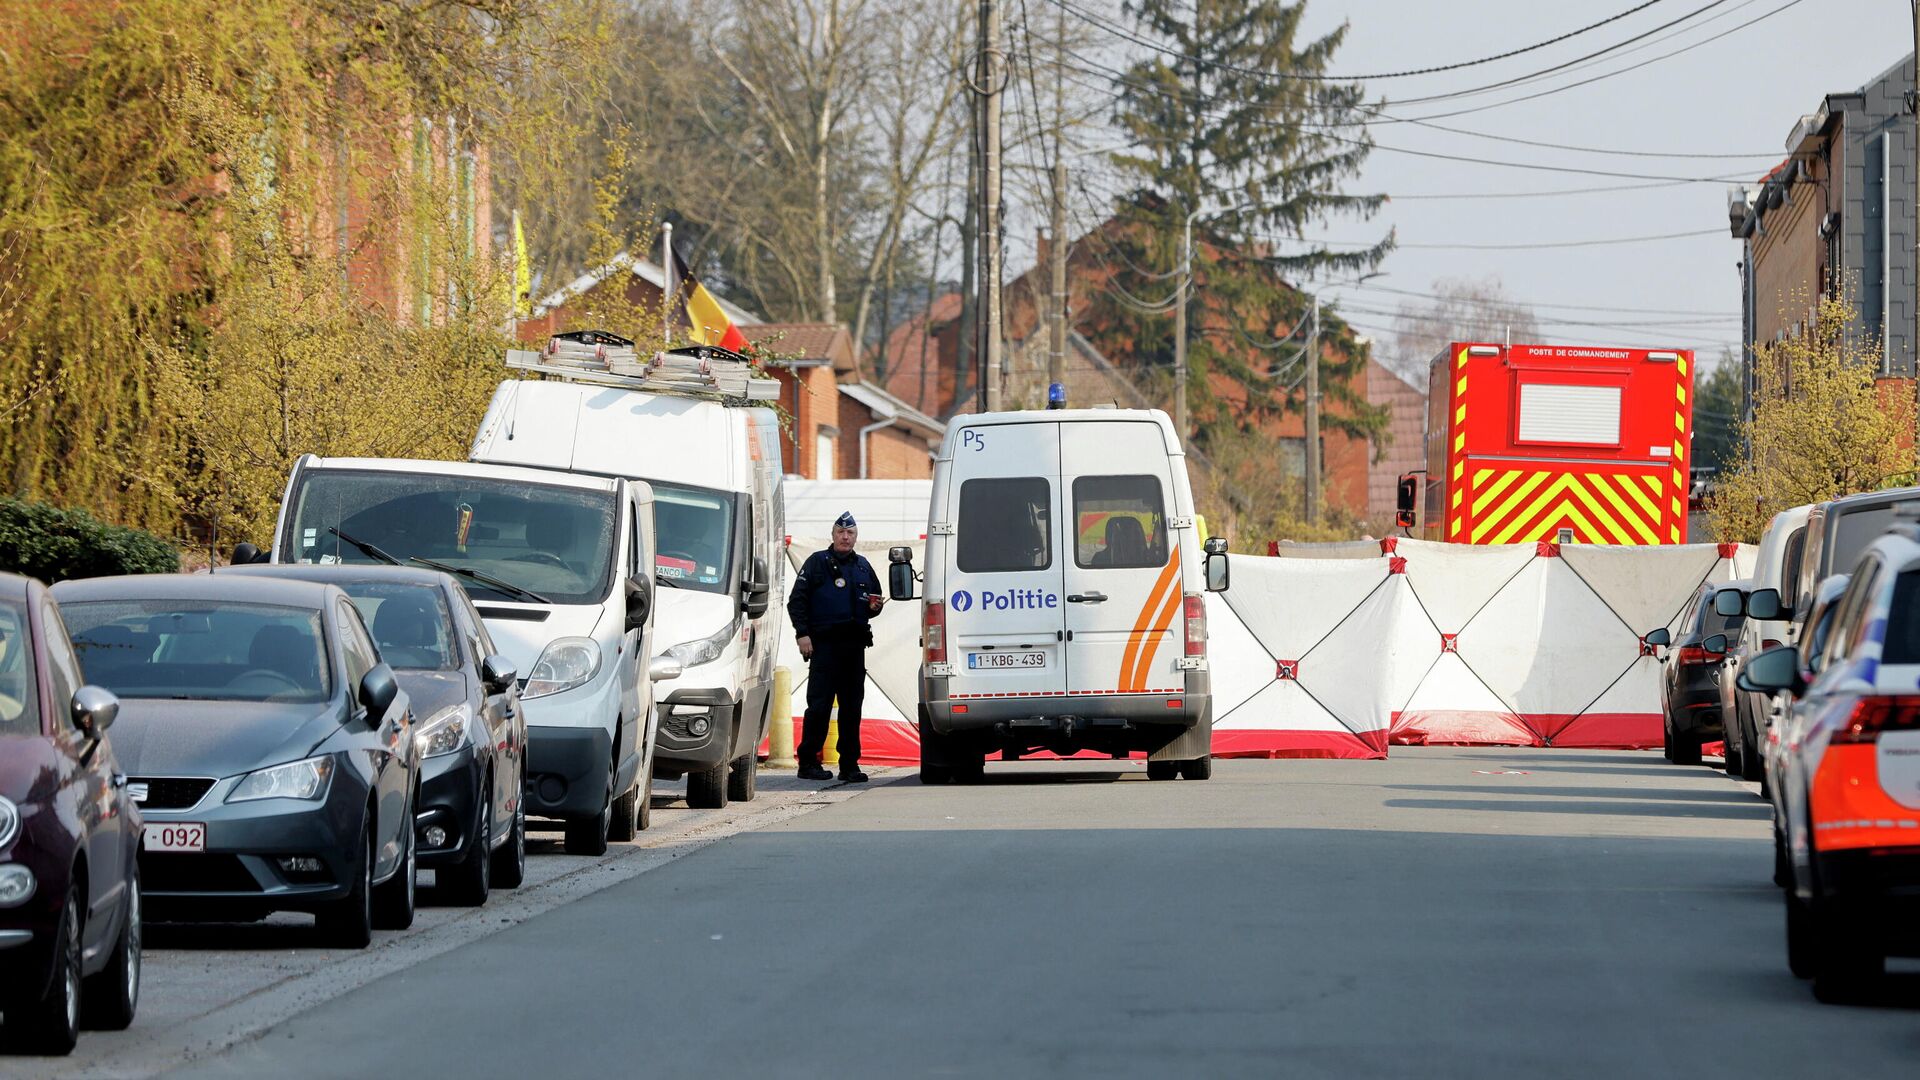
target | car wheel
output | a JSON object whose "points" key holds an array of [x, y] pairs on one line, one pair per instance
{"points": [[510, 860], [643, 801], [467, 883], [743, 781], [1732, 750], [348, 924], [1844, 963], [50, 1022], [1782, 872], [1686, 749], [1197, 769], [1163, 770], [1666, 736], [1799, 936], [588, 836], [112, 995], [625, 822], [934, 767], [935, 775], [393, 901], [707, 789], [971, 770], [1753, 764]]}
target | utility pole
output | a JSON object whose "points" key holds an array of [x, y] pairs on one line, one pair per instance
{"points": [[1313, 417], [1057, 338], [990, 73], [1913, 140], [964, 369]]}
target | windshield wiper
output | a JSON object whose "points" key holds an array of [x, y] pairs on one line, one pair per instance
{"points": [[668, 582], [368, 549], [483, 578]]}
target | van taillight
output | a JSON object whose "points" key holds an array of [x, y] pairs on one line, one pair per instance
{"points": [[1873, 715], [933, 632], [1196, 624]]}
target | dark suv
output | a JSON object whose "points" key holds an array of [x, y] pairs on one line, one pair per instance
{"points": [[69, 839], [1690, 683]]}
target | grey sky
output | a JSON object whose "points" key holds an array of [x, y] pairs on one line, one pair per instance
{"points": [[1738, 95]]}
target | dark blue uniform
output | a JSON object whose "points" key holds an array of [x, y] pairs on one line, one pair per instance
{"points": [[829, 605]]}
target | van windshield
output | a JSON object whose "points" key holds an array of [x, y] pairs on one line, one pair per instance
{"points": [[693, 536], [1855, 531], [553, 541]]}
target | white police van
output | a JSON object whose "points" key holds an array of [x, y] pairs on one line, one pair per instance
{"points": [[1063, 594]]}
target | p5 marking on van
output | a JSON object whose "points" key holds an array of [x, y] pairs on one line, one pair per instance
{"points": [[1063, 594]]}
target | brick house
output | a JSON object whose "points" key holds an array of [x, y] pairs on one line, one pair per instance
{"points": [[1836, 217], [841, 427], [1403, 447]]}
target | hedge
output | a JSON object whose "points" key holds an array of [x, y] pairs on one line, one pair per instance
{"points": [[53, 544]]}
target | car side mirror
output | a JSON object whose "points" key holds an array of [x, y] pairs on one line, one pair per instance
{"points": [[665, 668], [639, 604], [1729, 602], [753, 599], [1660, 636], [1764, 604], [378, 689], [1775, 671], [1717, 644], [1406, 495], [900, 575], [94, 710], [245, 552], [497, 674]]}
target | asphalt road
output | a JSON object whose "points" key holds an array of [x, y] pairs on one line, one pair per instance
{"points": [[1443, 913]]}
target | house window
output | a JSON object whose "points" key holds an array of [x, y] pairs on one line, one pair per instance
{"points": [[823, 457]]}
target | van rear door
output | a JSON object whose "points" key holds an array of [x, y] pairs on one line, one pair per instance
{"points": [[1123, 585], [1005, 628]]}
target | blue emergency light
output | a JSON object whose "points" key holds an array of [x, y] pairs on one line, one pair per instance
{"points": [[1056, 396]]}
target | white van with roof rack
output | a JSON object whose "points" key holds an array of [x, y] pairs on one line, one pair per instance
{"points": [[685, 423], [1063, 594], [560, 569]]}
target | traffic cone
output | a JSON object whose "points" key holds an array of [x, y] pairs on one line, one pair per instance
{"points": [[831, 754], [780, 724]]}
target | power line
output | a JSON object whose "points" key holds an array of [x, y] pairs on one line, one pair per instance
{"points": [[1107, 25], [1530, 246], [1538, 303]]}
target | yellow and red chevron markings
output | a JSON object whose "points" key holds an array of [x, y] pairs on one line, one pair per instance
{"points": [[1150, 625], [1519, 506]]}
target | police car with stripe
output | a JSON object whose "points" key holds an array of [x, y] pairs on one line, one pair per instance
{"points": [[1064, 607]]}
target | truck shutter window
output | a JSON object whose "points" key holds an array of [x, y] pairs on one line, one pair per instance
{"points": [[1005, 525], [1560, 413], [1119, 522]]}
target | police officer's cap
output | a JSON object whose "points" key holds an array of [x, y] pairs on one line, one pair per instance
{"points": [[844, 521]]}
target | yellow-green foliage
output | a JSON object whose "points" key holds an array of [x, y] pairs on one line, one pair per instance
{"points": [[1821, 428], [177, 316]]}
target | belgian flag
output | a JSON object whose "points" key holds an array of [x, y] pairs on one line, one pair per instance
{"points": [[707, 324]]}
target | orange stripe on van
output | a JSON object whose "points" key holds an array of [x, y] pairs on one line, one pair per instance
{"points": [[1152, 644], [1145, 619]]}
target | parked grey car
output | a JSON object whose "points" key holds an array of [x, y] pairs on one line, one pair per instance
{"points": [[269, 749], [471, 822]]}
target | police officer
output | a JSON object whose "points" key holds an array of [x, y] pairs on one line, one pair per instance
{"points": [[835, 597]]}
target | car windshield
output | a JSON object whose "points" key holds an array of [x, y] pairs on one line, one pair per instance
{"points": [[201, 650], [534, 540], [19, 690], [410, 623], [693, 528]]}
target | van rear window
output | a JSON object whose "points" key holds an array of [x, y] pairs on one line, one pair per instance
{"points": [[1119, 522], [1006, 525]]}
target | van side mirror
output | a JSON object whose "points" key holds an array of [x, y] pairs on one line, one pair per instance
{"points": [[245, 552], [900, 575], [753, 596], [1729, 602], [639, 604], [1764, 604], [1717, 644], [1660, 636], [1219, 575], [378, 689], [1774, 671]]}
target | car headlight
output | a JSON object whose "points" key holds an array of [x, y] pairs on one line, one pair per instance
{"points": [[567, 662], [9, 821], [445, 731], [295, 780], [704, 650], [16, 885]]}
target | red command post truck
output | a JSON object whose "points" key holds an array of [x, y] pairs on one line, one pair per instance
{"points": [[1569, 443]]}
